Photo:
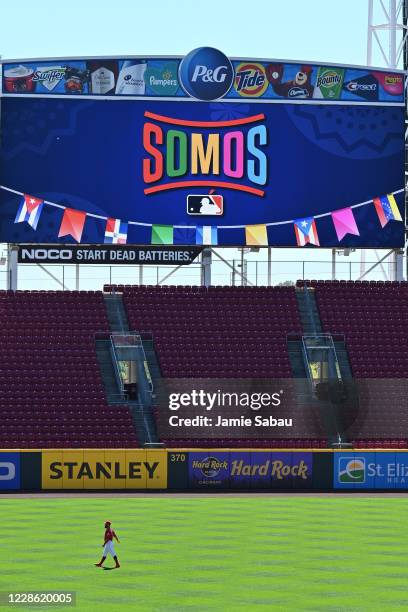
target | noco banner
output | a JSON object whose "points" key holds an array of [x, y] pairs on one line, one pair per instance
{"points": [[201, 150], [107, 255]]}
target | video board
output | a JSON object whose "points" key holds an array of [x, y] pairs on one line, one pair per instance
{"points": [[201, 150]]}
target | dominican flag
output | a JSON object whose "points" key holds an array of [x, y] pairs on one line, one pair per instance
{"points": [[29, 210], [116, 231], [387, 209], [207, 235], [306, 232]]}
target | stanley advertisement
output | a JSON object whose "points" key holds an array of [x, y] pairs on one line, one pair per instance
{"points": [[98, 469]]}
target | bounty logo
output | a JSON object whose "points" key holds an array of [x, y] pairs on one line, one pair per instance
{"points": [[351, 470], [206, 74], [250, 80], [329, 83]]}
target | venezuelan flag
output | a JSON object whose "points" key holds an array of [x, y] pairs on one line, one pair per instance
{"points": [[387, 209]]}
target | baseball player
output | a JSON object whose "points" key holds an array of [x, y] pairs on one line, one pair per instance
{"points": [[108, 545]]}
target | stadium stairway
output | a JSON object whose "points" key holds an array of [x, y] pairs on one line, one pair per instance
{"points": [[103, 355], [330, 414], [141, 410], [309, 313], [116, 312], [312, 324]]}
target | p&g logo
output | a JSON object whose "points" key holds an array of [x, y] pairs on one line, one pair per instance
{"points": [[206, 74]]}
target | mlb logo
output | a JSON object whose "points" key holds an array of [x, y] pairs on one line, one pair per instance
{"points": [[211, 205]]}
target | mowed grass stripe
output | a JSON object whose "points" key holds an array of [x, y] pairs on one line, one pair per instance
{"points": [[223, 553]]}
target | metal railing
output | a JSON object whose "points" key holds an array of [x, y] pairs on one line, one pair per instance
{"points": [[132, 340], [116, 368], [283, 271], [323, 344]]}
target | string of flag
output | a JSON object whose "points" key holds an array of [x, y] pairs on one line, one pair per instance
{"points": [[116, 231]]}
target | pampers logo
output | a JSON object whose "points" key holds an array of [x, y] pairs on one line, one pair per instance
{"points": [[206, 74], [181, 153], [351, 469]]}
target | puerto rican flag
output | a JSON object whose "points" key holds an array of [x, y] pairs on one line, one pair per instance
{"points": [[29, 211], [306, 232], [116, 232]]}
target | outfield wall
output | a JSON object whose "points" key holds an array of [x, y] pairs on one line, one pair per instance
{"points": [[202, 469]]}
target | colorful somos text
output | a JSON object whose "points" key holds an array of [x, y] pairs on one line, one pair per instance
{"points": [[205, 154]]}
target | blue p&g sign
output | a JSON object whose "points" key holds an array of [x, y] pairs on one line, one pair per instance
{"points": [[206, 74]]}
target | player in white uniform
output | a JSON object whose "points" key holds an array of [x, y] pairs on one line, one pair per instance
{"points": [[108, 545]]}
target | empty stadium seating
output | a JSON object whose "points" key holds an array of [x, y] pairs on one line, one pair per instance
{"points": [[51, 393], [223, 332], [373, 317]]}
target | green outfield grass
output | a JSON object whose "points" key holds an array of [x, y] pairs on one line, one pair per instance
{"points": [[216, 553]]}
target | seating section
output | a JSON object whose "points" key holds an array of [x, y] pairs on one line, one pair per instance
{"points": [[51, 392], [245, 443], [373, 317], [223, 332]]}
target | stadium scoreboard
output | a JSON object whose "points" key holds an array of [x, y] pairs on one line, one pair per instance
{"points": [[201, 150]]}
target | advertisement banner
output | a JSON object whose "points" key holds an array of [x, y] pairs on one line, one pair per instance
{"points": [[183, 78], [250, 469], [200, 174], [107, 255], [99, 469], [9, 471], [370, 470], [209, 469]]}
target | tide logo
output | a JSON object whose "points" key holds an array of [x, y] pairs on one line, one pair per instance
{"points": [[250, 80], [181, 153]]}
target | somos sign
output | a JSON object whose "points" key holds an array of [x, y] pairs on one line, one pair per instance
{"points": [[234, 149]]}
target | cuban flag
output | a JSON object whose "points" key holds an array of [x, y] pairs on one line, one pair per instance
{"points": [[116, 232], [306, 232], [29, 210], [387, 209], [207, 235]]}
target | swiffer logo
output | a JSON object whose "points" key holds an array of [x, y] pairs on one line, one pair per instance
{"points": [[182, 153], [206, 74]]}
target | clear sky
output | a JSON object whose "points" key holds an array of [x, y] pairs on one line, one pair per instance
{"points": [[322, 30], [306, 30]]}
